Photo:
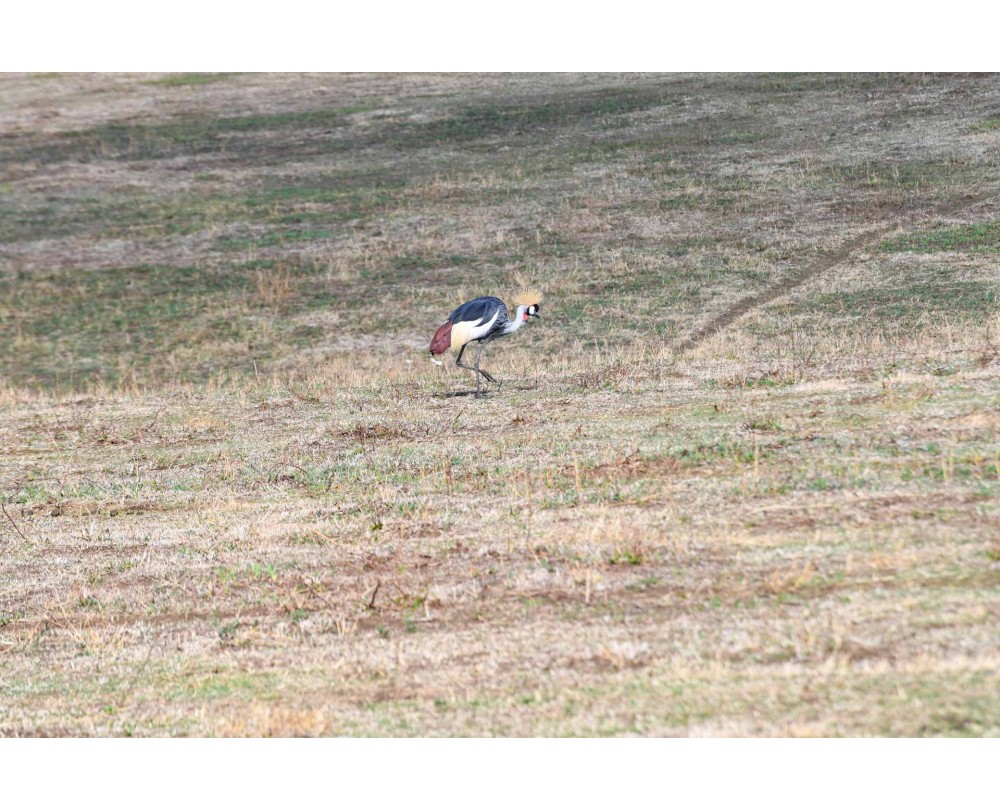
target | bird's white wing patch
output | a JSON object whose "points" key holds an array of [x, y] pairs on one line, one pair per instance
{"points": [[465, 331]]}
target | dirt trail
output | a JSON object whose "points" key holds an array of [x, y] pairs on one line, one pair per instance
{"points": [[821, 265]]}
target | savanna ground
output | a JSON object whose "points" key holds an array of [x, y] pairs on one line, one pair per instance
{"points": [[742, 477]]}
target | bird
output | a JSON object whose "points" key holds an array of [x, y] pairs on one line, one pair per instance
{"points": [[484, 319]]}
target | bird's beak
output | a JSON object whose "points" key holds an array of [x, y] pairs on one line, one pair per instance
{"points": [[534, 315]]}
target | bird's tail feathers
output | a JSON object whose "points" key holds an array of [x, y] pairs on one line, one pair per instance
{"points": [[441, 342]]}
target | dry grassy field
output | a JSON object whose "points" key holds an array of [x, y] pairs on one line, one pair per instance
{"points": [[741, 478]]}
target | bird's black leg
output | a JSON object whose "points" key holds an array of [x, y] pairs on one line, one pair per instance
{"points": [[458, 362], [487, 375]]}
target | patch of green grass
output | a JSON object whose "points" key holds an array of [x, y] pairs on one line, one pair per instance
{"points": [[986, 125], [628, 556], [974, 238], [910, 303], [328, 200], [740, 137], [679, 202], [821, 484], [222, 685], [117, 141], [349, 189], [66, 328], [878, 173], [114, 216], [414, 261], [189, 79], [476, 122], [303, 131], [706, 453], [271, 239], [778, 84]]}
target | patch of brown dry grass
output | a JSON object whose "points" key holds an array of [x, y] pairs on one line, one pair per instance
{"points": [[387, 561]]}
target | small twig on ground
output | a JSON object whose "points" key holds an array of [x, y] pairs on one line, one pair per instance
{"points": [[152, 422], [13, 523], [371, 601], [272, 468], [313, 592]]}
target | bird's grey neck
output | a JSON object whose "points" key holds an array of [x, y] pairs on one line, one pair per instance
{"points": [[515, 323]]}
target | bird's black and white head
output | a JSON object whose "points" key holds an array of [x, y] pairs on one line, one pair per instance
{"points": [[529, 302]]}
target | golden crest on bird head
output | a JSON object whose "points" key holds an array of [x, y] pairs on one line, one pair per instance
{"points": [[528, 296]]}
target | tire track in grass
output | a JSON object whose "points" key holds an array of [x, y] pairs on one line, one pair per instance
{"points": [[822, 265]]}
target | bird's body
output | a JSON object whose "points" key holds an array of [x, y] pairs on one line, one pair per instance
{"points": [[482, 320]]}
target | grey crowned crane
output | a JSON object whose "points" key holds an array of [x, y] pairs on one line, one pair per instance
{"points": [[483, 319]]}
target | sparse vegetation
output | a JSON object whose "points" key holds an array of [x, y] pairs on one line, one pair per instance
{"points": [[742, 478]]}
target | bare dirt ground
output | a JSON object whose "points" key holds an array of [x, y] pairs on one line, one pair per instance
{"points": [[741, 478]]}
